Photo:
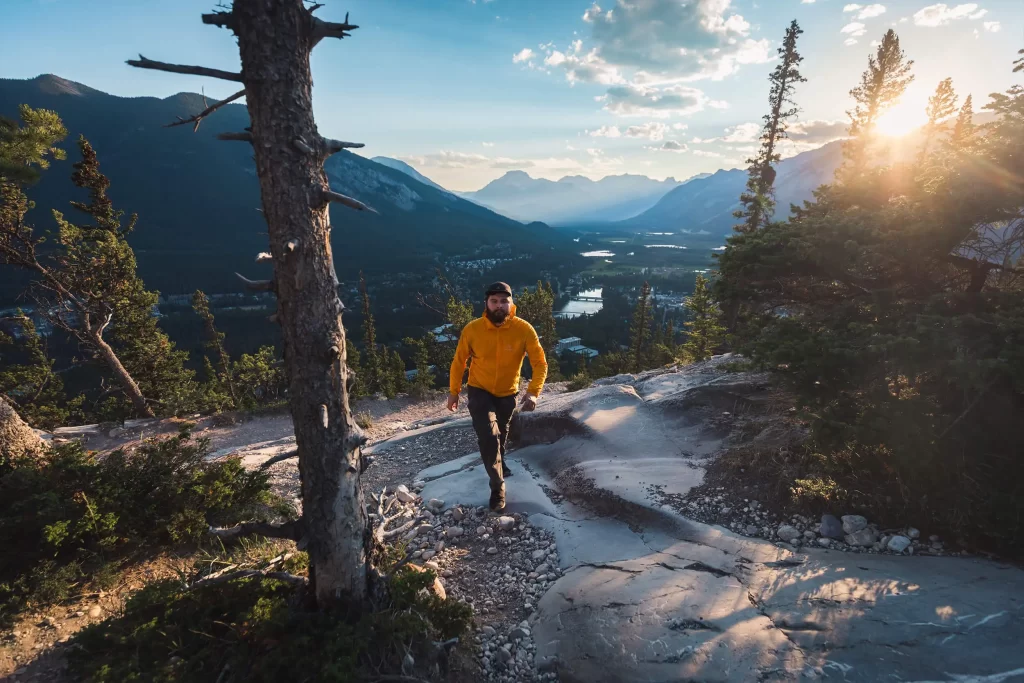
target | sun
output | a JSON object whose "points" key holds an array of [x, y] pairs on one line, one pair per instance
{"points": [[900, 120]]}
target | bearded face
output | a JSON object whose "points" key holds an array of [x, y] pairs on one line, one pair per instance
{"points": [[499, 306]]}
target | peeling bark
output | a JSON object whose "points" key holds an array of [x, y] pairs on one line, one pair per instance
{"points": [[17, 439]]}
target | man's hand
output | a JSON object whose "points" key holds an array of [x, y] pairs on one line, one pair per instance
{"points": [[529, 403], [453, 402]]}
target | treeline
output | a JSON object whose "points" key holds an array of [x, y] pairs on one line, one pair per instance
{"points": [[892, 303]]}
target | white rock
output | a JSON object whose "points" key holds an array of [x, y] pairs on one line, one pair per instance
{"points": [[404, 495], [810, 535], [454, 532], [898, 544], [854, 523], [481, 530], [862, 538], [506, 523], [824, 542], [788, 533], [539, 554], [428, 554], [542, 568], [492, 551], [435, 504]]}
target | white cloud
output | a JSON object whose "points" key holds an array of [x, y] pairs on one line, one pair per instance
{"points": [[744, 132], [595, 152], [679, 126], [588, 68], [447, 159], [669, 39], [653, 131], [854, 29], [640, 100], [487, 144], [806, 2], [670, 146], [942, 14], [992, 26], [718, 104], [817, 131], [605, 132], [524, 55], [850, 41], [871, 11], [706, 153], [979, 14], [852, 8]]}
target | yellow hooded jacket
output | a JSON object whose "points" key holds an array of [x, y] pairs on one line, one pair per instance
{"points": [[497, 353]]}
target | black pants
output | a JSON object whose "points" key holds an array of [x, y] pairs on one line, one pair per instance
{"points": [[491, 417]]}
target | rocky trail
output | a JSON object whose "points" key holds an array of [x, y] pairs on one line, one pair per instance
{"points": [[616, 561]]}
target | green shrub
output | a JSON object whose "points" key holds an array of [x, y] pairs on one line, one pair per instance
{"points": [[260, 630], [70, 512], [580, 380]]}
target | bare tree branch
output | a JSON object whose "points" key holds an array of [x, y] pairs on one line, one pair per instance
{"points": [[256, 285], [144, 63], [331, 196], [222, 19], [198, 118], [287, 455], [334, 146], [251, 573], [328, 29], [289, 530], [240, 137]]}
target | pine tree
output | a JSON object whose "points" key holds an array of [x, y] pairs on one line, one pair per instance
{"points": [[146, 352], [758, 200], [704, 331], [881, 86], [25, 150], [640, 330], [28, 381], [374, 362], [423, 381], [218, 377], [941, 105], [537, 308], [963, 128]]}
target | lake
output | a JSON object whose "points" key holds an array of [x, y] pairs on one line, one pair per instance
{"points": [[575, 308]]}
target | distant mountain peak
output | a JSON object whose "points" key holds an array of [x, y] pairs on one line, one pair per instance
{"points": [[55, 85]]}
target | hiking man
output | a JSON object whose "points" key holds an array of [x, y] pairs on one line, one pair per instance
{"points": [[497, 342]]}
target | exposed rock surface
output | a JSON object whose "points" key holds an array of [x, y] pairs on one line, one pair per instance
{"points": [[648, 594]]}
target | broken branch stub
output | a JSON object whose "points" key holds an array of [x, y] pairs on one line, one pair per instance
{"points": [[143, 63], [345, 200], [256, 285], [239, 137], [291, 531]]}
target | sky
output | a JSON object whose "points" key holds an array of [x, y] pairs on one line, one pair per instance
{"points": [[466, 90]]}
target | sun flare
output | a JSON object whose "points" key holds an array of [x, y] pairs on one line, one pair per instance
{"points": [[900, 120]]}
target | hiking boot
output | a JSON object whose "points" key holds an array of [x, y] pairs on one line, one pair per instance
{"points": [[498, 500]]}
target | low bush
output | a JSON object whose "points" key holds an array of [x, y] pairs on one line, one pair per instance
{"points": [[69, 513], [261, 630]]}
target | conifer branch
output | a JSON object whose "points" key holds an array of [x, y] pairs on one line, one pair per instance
{"points": [[287, 455], [335, 146], [291, 531], [256, 285]]}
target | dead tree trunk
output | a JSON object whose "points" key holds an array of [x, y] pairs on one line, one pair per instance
{"points": [[275, 38], [128, 385], [16, 437]]}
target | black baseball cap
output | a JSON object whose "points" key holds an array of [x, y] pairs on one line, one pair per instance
{"points": [[498, 288]]}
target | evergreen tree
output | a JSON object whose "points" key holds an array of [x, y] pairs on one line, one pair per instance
{"points": [[374, 361], [394, 373], [423, 381], [963, 128], [941, 106], [353, 357], [704, 331], [640, 330], [670, 336], [28, 381], [28, 148], [881, 86], [758, 200], [221, 388], [537, 308]]}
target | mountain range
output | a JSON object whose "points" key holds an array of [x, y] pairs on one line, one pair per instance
{"points": [[572, 199], [198, 197]]}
